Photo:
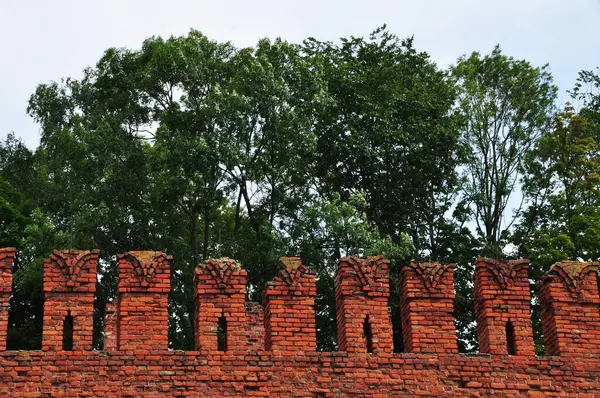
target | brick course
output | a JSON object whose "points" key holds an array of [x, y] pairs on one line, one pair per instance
{"points": [[271, 351]]}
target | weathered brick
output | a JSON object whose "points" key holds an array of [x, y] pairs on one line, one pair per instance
{"points": [[7, 257], [136, 362], [142, 305], [289, 311], [362, 290], [502, 307], [69, 287], [569, 299], [426, 308]]}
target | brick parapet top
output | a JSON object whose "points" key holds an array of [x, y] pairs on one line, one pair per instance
{"points": [[367, 274], [221, 274], [150, 271], [7, 257], [433, 275], [293, 278], [574, 276], [505, 272], [76, 271], [7, 253]]}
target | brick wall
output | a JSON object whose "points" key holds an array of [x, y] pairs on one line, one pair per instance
{"points": [[427, 303], [7, 257], [142, 312], [502, 307], [270, 348]]}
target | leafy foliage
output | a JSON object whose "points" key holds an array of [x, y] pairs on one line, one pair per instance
{"points": [[201, 149], [506, 104]]}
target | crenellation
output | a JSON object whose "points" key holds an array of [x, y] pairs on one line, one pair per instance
{"points": [[270, 349], [220, 305], [142, 304], [570, 318], [69, 288], [289, 313], [363, 316], [503, 307], [7, 258], [427, 307]]}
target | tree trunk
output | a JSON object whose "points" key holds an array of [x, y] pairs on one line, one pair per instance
{"points": [[206, 234]]}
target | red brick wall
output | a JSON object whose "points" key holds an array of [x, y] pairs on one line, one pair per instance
{"points": [[289, 302], [427, 306], [279, 358], [7, 257], [255, 326], [142, 312], [220, 293], [570, 319], [69, 287], [362, 289], [501, 296]]}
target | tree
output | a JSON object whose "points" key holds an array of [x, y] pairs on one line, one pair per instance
{"points": [[386, 128], [562, 187], [562, 184], [506, 104], [20, 220], [154, 147], [323, 232]]}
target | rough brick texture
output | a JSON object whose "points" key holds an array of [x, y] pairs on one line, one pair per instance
{"points": [[569, 299], [142, 312], [7, 257], [426, 308], [503, 307], [69, 287], [110, 327], [362, 290], [289, 307], [220, 294], [255, 326]]}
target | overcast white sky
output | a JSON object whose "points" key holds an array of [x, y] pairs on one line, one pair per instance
{"points": [[48, 40]]}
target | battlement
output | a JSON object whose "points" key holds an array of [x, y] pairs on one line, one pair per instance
{"points": [[502, 307], [249, 349], [69, 287], [427, 305], [289, 308], [142, 313], [569, 299]]}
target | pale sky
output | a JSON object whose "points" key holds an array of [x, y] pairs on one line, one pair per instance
{"points": [[49, 40]]}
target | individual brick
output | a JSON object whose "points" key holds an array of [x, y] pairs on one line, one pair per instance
{"points": [[426, 308], [289, 302], [220, 289], [7, 257], [569, 300], [69, 287], [503, 307], [142, 306], [363, 315]]}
